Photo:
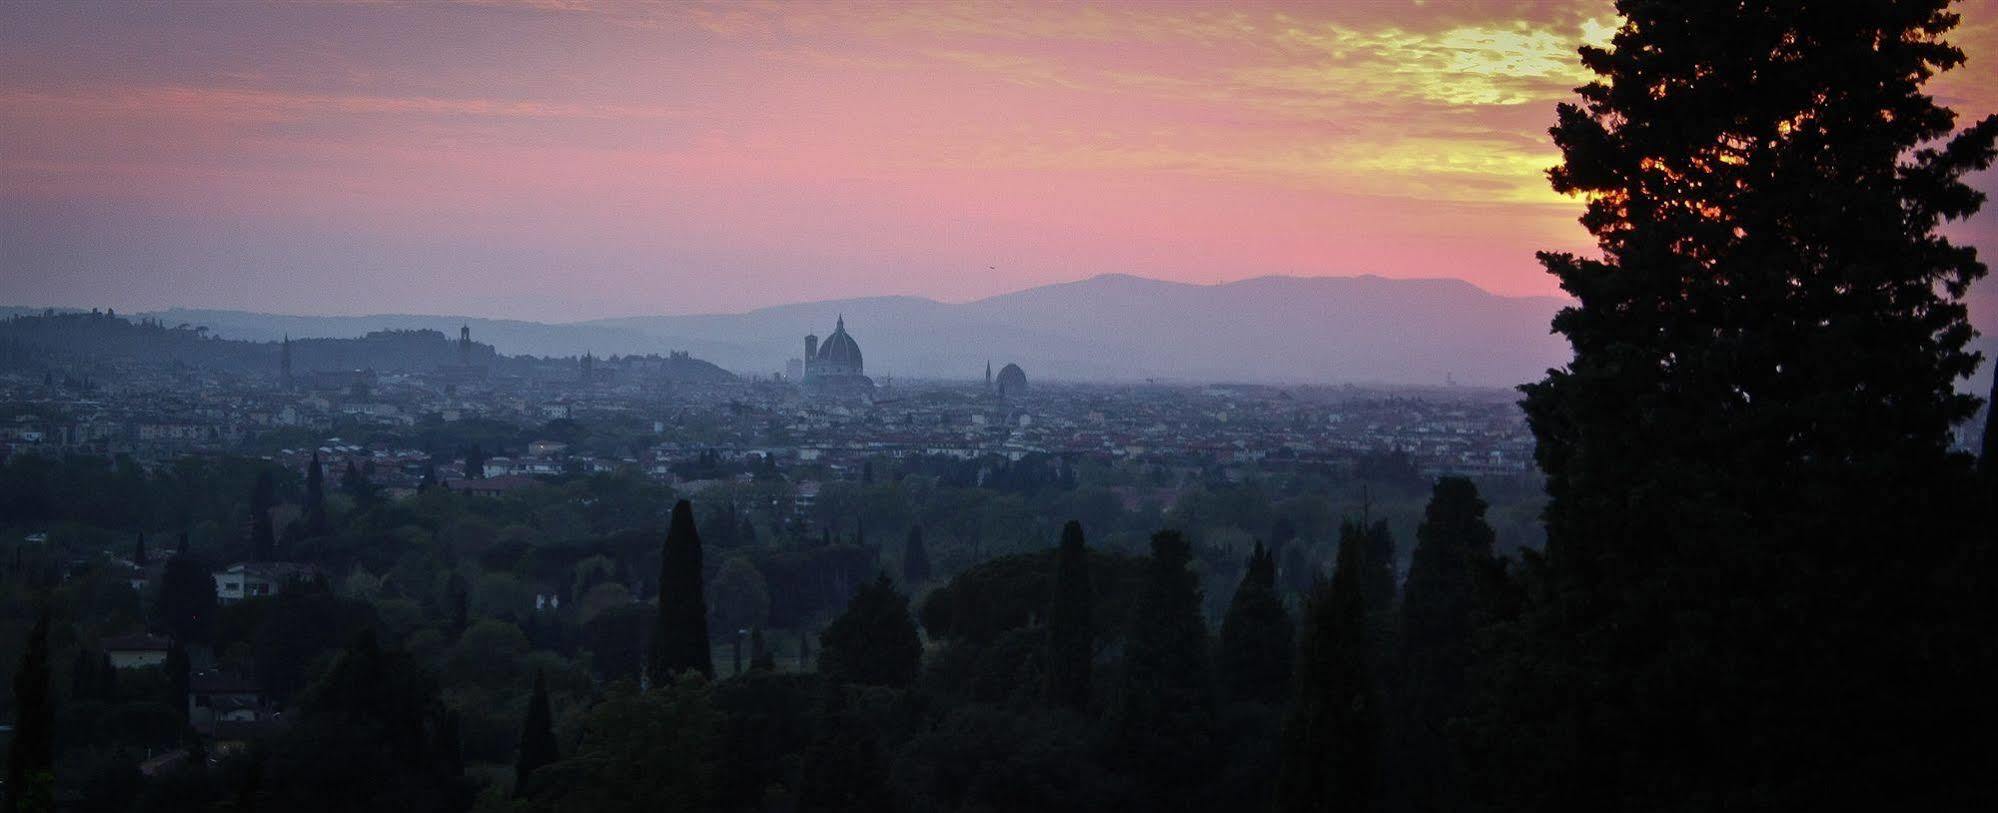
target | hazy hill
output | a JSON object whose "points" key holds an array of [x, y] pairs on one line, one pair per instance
{"points": [[1115, 327], [1322, 329]]}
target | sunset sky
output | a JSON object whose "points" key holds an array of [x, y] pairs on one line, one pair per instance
{"points": [[567, 159]]}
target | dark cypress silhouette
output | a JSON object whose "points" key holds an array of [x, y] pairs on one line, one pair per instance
{"points": [[759, 652], [263, 536], [1377, 560], [1071, 639], [185, 606], [429, 480], [475, 463], [537, 738], [874, 642], [31, 753], [1748, 460], [915, 558], [139, 555], [680, 637], [178, 669], [315, 497], [1258, 640], [1163, 722], [1331, 735], [1453, 547]]}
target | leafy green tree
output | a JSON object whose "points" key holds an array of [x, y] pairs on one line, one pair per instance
{"points": [[357, 486], [371, 734], [1751, 486], [680, 635], [640, 751], [31, 752], [1071, 644], [915, 558], [739, 596], [874, 642], [616, 640], [537, 738], [1258, 640], [844, 769], [1331, 736], [1162, 721], [1436, 647]]}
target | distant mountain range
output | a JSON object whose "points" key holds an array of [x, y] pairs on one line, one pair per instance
{"points": [[1363, 329]]}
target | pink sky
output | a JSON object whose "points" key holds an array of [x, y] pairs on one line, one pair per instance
{"points": [[567, 159]]}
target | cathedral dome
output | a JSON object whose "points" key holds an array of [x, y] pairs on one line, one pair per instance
{"points": [[840, 350], [1012, 380]]}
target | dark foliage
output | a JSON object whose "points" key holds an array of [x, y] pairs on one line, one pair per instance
{"points": [[1258, 640], [371, 734], [537, 738], [1753, 496], [185, 607], [915, 558], [263, 536], [1162, 721], [31, 751], [1070, 636], [680, 636], [1437, 647], [1331, 736], [874, 642]]}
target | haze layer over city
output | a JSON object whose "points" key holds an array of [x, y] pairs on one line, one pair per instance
{"points": [[522, 405]]}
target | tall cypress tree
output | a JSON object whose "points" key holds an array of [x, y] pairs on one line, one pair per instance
{"points": [[1163, 720], [185, 606], [1331, 735], [1071, 645], [139, 556], [915, 559], [537, 738], [475, 463], [263, 536], [1258, 640], [680, 637], [1767, 345], [1377, 563], [31, 754], [315, 497], [1436, 653], [759, 651]]}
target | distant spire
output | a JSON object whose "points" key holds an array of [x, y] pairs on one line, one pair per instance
{"points": [[841, 324]]}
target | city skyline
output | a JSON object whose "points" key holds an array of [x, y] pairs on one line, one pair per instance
{"points": [[570, 160]]}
